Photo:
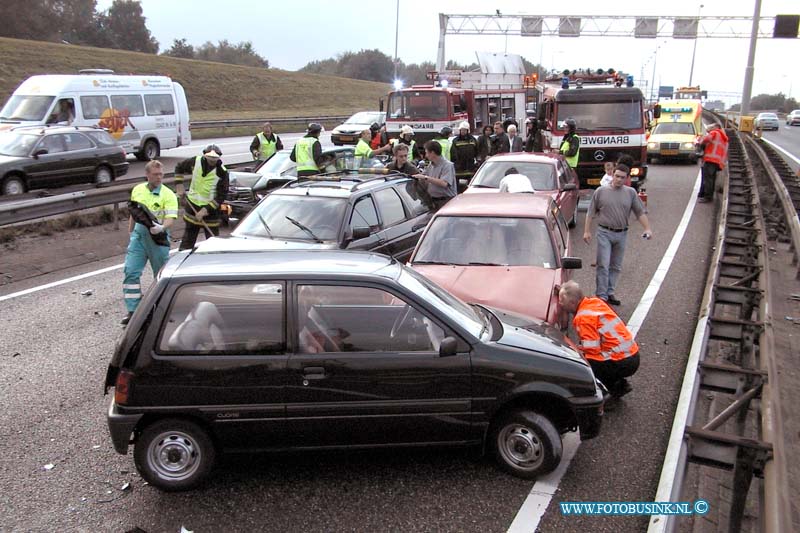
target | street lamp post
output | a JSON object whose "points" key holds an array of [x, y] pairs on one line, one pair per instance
{"points": [[396, 34], [653, 93], [694, 49]]}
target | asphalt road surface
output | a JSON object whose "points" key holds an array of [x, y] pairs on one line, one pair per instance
{"points": [[788, 138], [55, 345]]}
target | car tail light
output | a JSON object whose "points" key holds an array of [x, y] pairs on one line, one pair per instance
{"points": [[122, 387]]}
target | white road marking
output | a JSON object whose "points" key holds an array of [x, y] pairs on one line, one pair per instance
{"points": [[535, 505], [782, 149]]}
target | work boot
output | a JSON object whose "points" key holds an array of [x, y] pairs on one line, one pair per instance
{"points": [[127, 318], [612, 300], [620, 388]]}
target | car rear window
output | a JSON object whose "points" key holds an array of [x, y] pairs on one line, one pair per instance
{"points": [[541, 175], [492, 241], [225, 319]]}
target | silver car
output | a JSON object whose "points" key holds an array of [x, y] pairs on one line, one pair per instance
{"points": [[767, 121], [793, 118]]}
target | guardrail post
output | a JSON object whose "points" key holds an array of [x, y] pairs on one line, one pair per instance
{"points": [[116, 217]]}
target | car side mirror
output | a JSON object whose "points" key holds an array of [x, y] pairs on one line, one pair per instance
{"points": [[571, 263], [40, 151], [569, 187], [657, 111], [448, 347], [361, 233]]}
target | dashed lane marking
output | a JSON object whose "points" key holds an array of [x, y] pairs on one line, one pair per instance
{"points": [[535, 505]]}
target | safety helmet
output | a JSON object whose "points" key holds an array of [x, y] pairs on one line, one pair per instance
{"points": [[212, 148], [406, 130], [314, 127], [374, 127], [571, 124], [446, 131], [464, 125]]}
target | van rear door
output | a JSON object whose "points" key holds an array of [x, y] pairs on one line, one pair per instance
{"points": [[184, 135]]}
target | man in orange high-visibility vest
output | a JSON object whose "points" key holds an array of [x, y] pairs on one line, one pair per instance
{"points": [[604, 339], [715, 152]]}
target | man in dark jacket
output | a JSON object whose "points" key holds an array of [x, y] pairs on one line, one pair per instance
{"points": [[206, 193], [500, 143], [463, 151], [307, 152]]}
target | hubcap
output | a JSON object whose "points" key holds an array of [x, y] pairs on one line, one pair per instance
{"points": [[150, 150], [103, 176], [174, 455], [13, 187], [521, 447]]}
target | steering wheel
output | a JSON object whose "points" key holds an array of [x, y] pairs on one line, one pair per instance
{"points": [[400, 321]]}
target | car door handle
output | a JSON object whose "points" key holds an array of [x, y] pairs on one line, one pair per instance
{"points": [[313, 372]]}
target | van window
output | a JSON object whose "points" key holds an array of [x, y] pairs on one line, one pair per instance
{"points": [[21, 107], [159, 104], [225, 319], [93, 106], [132, 103]]}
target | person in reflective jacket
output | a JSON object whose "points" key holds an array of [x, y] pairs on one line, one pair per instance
{"points": [[604, 339], [205, 196], [153, 210]]}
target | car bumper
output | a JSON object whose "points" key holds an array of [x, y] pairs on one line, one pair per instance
{"points": [[343, 138], [121, 426], [120, 169], [589, 413]]}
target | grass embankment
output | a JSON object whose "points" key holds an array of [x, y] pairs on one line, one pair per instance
{"points": [[214, 90]]}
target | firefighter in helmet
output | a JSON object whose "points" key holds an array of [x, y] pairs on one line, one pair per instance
{"points": [[464, 150], [206, 194], [570, 144], [443, 138]]}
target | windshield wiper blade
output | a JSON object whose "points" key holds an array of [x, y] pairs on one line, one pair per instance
{"points": [[304, 228], [480, 263], [482, 186], [432, 263], [264, 223]]}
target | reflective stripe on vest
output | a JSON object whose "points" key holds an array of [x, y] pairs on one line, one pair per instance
{"points": [[304, 154], [204, 186], [615, 342], [445, 144], [572, 161], [716, 150], [267, 147], [162, 205]]}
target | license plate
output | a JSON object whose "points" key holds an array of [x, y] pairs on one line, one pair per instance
{"points": [[593, 181], [669, 152], [346, 138]]}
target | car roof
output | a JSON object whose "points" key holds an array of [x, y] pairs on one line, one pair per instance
{"points": [[236, 256], [498, 204], [527, 157], [768, 114], [338, 185]]}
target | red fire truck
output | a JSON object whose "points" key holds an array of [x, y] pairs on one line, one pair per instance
{"points": [[453, 97], [611, 115]]}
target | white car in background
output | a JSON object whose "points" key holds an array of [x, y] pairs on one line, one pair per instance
{"points": [[349, 131], [793, 118], [767, 121]]}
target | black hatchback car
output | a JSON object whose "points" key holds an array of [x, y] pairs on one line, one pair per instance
{"points": [[53, 156], [246, 350], [349, 211]]}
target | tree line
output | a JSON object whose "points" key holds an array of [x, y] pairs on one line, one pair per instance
{"points": [[771, 102]]}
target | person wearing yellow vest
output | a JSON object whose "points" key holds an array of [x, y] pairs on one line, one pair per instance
{"points": [[406, 137], [205, 196], [443, 139], [571, 144], [715, 152], [307, 153], [265, 143], [604, 339], [154, 208], [363, 149]]}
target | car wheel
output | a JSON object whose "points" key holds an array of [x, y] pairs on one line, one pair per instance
{"points": [[151, 150], [103, 176], [13, 185], [526, 444], [174, 454]]}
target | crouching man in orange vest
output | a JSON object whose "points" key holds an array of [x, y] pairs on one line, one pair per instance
{"points": [[605, 340]]}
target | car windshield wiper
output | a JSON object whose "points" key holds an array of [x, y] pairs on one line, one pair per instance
{"points": [[482, 186], [264, 223], [415, 262], [481, 263], [304, 228]]}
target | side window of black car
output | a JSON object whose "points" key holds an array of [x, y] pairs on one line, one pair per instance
{"points": [[54, 144], [409, 192], [341, 318], [78, 141], [391, 206], [225, 319], [364, 214]]}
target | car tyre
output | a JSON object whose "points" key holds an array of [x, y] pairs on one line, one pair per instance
{"points": [[150, 150], [526, 444], [13, 185], [103, 176], [174, 454]]}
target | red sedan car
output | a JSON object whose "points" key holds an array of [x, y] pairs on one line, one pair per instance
{"points": [[509, 251], [548, 173]]}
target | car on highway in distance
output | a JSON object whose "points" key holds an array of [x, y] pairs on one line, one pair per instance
{"points": [[793, 118], [33, 157], [347, 211], [250, 185], [247, 349], [767, 121], [548, 174], [349, 131], [510, 251]]}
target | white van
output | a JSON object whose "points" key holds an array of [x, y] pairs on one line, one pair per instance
{"points": [[145, 114]]}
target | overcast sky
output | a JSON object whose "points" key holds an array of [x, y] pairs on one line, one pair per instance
{"points": [[291, 34]]}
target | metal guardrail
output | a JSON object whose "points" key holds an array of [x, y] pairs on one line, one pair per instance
{"points": [[734, 322], [232, 123]]}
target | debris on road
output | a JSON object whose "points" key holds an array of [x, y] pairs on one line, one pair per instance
{"points": [[87, 292], [125, 486], [49, 466], [184, 530], [794, 297]]}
